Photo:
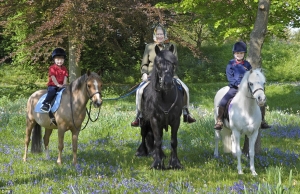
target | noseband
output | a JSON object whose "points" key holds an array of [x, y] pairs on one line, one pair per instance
{"points": [[91, 96]]}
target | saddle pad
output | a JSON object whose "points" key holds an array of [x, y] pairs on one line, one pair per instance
{"points": [[227, 108], [55, 104], [178, 84]]}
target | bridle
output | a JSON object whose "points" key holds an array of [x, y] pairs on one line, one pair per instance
{"points": [[161, 80], [91, 96], [88, 112], [253, 92], [172, 105]]}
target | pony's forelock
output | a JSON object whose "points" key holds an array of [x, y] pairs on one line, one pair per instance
{"points": [[244, 81]]}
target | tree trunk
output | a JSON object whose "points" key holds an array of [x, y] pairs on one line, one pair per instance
{"points": [[74, 69], [257, 37], [258, 33]]}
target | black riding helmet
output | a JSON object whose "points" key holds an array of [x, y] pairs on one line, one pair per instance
{"points": [[239, 47], [58, 52]]}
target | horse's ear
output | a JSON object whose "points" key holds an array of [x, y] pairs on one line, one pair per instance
{"points": [[171, 48], [99, 72], [88, 72], [157, 50]]}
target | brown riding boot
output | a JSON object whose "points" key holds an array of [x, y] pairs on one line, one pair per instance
{"points": [[219, 124], [264, 124]]}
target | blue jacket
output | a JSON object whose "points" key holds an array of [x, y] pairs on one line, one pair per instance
{"points": [[235, 72]]}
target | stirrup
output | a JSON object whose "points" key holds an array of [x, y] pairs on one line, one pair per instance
{"points": [[218, 125]]}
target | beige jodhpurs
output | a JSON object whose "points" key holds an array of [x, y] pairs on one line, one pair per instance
{"points": [[140, 90]]}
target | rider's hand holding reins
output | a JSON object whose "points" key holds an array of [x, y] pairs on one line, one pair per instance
{"points": [[144, 77]]}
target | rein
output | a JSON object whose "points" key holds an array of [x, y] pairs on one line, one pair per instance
{"points": [[167, 112], [88, 112]]}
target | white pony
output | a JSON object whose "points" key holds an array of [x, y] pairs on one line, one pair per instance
{"points": [[244, 116]]}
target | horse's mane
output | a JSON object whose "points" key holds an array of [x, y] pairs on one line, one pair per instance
{"points": [[244, 83], [77, 83], [153, 84]]}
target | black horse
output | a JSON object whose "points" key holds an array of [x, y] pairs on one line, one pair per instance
{"points": [[162, 103]]}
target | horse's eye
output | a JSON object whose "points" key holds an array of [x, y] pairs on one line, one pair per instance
{"points": [[251, 84]]}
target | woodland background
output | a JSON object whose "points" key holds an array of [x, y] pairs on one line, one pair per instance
{"points": [[110, 36]]}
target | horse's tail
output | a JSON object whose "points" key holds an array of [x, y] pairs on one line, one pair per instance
{"points": [[36, 144]]}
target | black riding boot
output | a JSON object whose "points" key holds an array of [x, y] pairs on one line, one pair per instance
{"points": [[264, 124], [187, 118]]}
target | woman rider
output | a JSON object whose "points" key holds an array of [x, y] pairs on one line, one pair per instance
{"points": [[160, 39]]}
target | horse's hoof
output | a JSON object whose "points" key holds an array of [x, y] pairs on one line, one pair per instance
{"points": [[24, 159], [176, 167], [140, 154], [158, 166], [175, 164], [254, 173]]}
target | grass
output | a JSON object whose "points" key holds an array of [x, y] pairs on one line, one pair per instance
{"points": [[106, 150]]}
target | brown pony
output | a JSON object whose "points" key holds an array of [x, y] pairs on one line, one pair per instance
{"points": [[69, 115]]}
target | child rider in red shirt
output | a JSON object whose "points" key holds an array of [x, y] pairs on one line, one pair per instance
{"points": [[57, 77]]}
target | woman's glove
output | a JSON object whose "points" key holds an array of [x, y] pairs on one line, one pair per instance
{"points": [[144, 77]]}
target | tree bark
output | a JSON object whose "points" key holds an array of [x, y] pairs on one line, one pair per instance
{"points": [[258, 33], [74, 69], [257, 37]]}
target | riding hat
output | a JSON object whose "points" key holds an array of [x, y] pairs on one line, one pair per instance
{"points": [[58, 52], [239, 47]]}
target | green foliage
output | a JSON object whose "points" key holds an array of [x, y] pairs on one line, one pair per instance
{"points": [[281, 61], [236, 18], [17, 74]]}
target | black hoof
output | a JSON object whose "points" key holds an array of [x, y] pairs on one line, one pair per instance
{"points": [[158, 166], [175, 164], [141, 154]]}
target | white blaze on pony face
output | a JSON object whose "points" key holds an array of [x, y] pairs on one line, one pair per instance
{"points": [[97, 101]]}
